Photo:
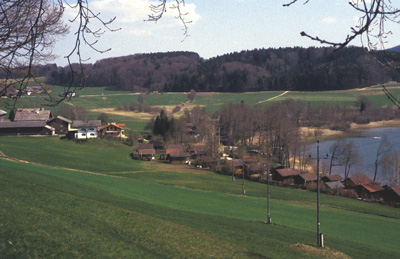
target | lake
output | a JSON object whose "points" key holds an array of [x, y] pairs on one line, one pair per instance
{"points": [[368, 142]]}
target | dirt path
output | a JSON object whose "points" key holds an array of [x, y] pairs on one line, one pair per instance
{"points": [[272, 98]]}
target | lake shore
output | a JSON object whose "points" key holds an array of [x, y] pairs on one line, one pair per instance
{"points": [[324, 133]]}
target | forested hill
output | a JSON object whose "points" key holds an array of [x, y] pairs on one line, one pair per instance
{"points": [[256, 70]]}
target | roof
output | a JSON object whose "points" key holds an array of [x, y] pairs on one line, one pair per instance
{"points": [[332, 178], [396, 190], [372, 187], [86, 123], [2, 112], [121, 125], [249, 158], [146, 151], [61, 118], [286, 172], [175, 147], [308, 177], [173, 150], [22, 124], [359, 179], [29, 114], [197, 146], [334, 185]]}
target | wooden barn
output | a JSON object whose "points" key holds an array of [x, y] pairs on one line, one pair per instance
{"points": [[60, 124], [331, 178], [391, 194], [370, 190], [32, 114], [305, 179], [178, 158], [17, 128], [286, 175]]}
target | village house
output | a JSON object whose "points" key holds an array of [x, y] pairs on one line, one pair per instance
{"points": [[85, 129], [178, 158], [354, 181], [111, 130], [305, 179], [285, 175], [236, 165], [60, 124], [370, 190]]}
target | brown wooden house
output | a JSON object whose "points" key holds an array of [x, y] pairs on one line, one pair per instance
{"points": [[370, 190], [16, 128], [178, 158], [285, 175], [391, 194], [60, 124], [112, 130], [32, 114], [305, 179]]}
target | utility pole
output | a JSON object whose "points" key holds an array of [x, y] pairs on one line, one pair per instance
{"points": [[268, 215], [318, 223]]}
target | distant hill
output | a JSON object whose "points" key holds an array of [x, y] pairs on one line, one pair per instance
{"points": [[305, 69], [395, 49]]}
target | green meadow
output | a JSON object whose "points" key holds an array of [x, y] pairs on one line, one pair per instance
{"points": [[62, 199]]}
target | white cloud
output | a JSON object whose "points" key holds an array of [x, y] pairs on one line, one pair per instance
{"points": [[329, 20]]}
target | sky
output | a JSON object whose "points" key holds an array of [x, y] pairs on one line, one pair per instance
{"points": [[217, 27]]}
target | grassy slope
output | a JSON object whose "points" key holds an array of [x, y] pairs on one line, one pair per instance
{"points": [[208, 205]]}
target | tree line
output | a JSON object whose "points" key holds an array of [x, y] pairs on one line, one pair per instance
{"points": [[306, 69]]}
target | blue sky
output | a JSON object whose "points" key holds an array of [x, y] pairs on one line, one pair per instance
{"points": [[218, 27]]}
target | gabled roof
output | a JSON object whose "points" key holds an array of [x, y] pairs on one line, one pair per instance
{"points": [[196, 146], [173, 150], [120, 126], [332, 178], [396, 190], [2, 112], [372, 187], [29, 114], [359, 179], [86, 123], [179, 155], [308, 177], [61, 118], [287, 172]]}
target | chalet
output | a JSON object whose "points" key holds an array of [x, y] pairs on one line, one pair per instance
{"points": [[285, 175], [111, 130], [85, 129], [354, 181], [391, 194], [178, 158], [3, 115], [60, 124], [29, 114], [305, 179], [16, 128], [331, 178], [370, 190]]}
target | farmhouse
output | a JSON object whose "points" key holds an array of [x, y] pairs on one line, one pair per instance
{"points": [[60, 124], [178, 158], [285, 175], [111, 130], [85, 129]]}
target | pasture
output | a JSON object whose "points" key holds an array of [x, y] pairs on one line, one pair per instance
{"points": [[62, 199]]}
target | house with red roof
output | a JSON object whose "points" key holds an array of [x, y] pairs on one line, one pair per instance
{"points": [[112, 130], [370, 190], [285, 175], [354, 181]]}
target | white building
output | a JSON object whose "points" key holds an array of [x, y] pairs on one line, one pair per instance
{"points": [[86, 129]]}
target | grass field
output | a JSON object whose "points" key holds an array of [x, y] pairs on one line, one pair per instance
{"points": [[133, 209]]}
